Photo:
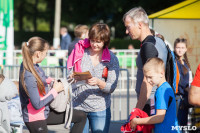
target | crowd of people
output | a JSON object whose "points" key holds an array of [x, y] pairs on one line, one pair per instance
{"points": [[91, 99]]}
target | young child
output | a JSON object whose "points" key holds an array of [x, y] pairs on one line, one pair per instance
{"points": [[8, 91], [34, 93], [165, 104], [33, 89]]}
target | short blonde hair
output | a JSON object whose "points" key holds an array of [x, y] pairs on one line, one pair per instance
{"points": [[155, 64], [79, 30]]}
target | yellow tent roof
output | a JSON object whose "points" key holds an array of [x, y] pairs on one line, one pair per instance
{"points": [[189, 9]]}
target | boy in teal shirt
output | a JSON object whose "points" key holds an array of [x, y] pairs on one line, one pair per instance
{"points": [[165, 119]]}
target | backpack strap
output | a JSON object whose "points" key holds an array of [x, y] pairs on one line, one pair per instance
{"points": [[174, 86], [172, 69], [177, 77], [169, 102], [69, 108]]}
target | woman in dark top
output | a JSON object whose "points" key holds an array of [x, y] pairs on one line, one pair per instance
{"points": [[180, 50]]}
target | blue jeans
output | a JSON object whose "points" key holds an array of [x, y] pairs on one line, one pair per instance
{"points": [[99, 122]]}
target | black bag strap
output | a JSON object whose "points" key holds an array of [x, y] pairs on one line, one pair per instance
{"points": [[169, 102]]}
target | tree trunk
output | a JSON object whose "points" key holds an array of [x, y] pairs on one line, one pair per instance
{"points": [[21, 14], [35, 15], [51, 5]]}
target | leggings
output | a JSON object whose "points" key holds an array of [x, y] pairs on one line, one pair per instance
{"points": [[78, 118]]}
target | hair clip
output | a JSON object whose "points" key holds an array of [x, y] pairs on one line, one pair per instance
{"points": [[27, 43]]}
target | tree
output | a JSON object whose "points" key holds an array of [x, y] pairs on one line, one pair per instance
{"points": [[31, 14]]}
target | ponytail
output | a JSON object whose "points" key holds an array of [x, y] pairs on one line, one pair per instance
{"points": [[28, 49]]}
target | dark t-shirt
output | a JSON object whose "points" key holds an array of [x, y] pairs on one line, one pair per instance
{"points": [[148, 49], [184, 78]]}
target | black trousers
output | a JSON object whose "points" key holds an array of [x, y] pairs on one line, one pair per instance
{"points": [[79, 119]]}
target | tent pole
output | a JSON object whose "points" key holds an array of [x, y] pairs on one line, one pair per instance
{"points": [[152, 23]]}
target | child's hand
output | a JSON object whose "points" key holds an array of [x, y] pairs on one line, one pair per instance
{"points": [[58, 86], [93, 81], [133, 123], [49, 80]]}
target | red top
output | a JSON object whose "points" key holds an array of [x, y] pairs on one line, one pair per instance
{"points": [[196, 80]]}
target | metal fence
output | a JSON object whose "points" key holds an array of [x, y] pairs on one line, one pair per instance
{"points": [[12, 71], [127, 60], [120, 98], [123, 98]]}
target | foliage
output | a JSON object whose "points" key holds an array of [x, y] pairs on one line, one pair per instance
{"points": [[123, 43], [22, 36], [34, 15], [38, 15]]}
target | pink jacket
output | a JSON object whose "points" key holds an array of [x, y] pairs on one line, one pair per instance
{"points": [[74, 60]]}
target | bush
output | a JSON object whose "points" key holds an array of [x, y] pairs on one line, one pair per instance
{"points": [[22, 36], [123, 43]]}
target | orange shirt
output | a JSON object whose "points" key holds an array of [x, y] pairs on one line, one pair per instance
{"points": [[196, 80]]}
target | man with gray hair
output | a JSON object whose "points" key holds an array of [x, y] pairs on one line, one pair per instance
{"points": [[66, 38], [137, 26], [65, 42]]}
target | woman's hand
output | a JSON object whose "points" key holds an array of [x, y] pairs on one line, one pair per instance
{"points": [[93, 81], [58, 86], [71, 76], [77, 78], [133, 123]]}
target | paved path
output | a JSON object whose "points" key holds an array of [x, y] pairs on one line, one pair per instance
{"points": [[114, 128], [118, 112]]}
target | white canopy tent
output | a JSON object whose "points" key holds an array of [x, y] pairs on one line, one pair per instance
{"points": [[181, 20]]}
